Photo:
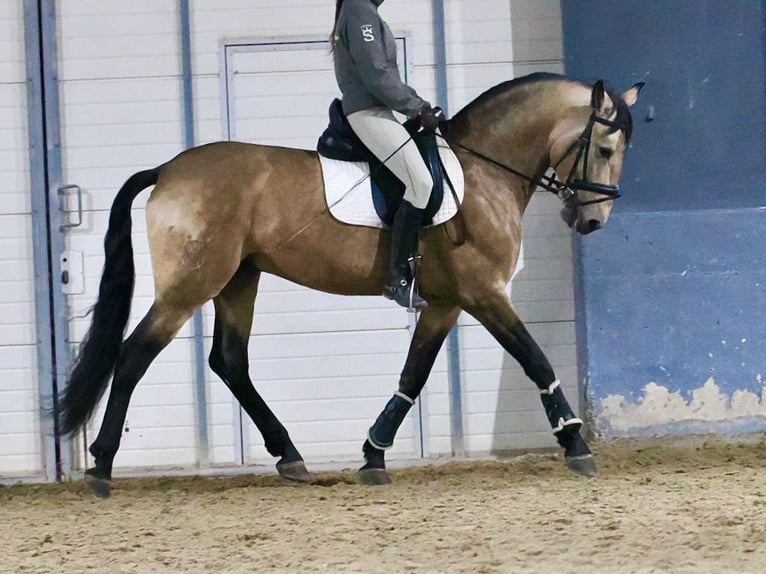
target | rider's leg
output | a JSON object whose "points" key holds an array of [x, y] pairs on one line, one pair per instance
{"points": [[384, 135]]}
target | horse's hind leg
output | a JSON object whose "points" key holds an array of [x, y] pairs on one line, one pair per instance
{"points": [[152, 334], [433, 326], [497, 315], [228, 359]]}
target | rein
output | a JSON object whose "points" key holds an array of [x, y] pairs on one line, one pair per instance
{"points": [[566, 190]]}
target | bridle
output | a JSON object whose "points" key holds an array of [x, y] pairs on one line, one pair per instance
{"points": [[567, 190]]}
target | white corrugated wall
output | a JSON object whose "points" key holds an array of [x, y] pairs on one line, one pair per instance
{"points": [[20, 449], [325, 364], [119, 80]]}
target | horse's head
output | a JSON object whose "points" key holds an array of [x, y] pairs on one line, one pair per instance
{"points": [[587, 149]]}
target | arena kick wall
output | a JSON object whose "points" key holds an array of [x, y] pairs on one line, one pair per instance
{"points": [[672, 293]]}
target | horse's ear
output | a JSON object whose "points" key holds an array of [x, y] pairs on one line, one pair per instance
{"points": [[597, 96], [631, 96]]}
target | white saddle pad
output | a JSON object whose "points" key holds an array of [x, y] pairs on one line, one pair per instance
{"points": [[348, 190]]}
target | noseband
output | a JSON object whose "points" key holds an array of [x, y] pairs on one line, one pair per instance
{"points": [[567, 190]]}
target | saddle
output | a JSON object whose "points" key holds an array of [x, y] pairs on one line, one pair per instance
{"points": [[339, 142]]}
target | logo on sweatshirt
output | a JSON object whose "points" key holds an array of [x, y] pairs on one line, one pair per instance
{"points": [[367, 33]]}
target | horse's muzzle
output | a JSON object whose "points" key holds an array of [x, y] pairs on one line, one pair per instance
{"points": [[588, 226], [574, 220]]}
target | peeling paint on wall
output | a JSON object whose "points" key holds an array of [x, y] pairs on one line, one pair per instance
{"points": [[660, 411]]}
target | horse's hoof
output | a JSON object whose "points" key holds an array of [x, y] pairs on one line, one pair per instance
{"points": [[374, 476], [295, 471], [583, 464], [101, 487]]}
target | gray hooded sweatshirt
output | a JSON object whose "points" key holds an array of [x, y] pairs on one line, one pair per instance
{"points": [[365, 62]]}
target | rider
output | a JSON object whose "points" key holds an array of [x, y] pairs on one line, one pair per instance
{"points": [[368, 76]]}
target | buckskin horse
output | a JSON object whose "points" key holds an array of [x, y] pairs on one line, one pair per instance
{"points": [[221, 214]]}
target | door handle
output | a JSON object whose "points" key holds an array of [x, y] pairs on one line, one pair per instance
{"points": [[62, 192]]}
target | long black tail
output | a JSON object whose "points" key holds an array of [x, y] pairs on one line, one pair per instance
{"points": [[91, 370]]}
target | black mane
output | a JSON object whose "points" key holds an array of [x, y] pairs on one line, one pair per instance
{"points": [[513, 84]]}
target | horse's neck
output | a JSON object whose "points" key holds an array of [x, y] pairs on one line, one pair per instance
{"points": [[513, 131]]}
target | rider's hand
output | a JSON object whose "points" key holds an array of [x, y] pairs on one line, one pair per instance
{"points": [[429, 117]]}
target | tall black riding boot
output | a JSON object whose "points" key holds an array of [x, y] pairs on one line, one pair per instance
{"points": [[400, 282]]}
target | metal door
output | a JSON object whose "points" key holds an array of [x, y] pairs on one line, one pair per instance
{"points": [[326, 364]]}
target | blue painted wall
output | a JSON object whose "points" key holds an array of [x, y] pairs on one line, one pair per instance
{"points": [[672, 293]]}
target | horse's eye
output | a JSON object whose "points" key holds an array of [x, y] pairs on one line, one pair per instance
{"points": [[605, 152]]}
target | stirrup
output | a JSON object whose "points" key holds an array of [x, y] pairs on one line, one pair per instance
{"points": [[415, 300], [405, 294], [404, 290]]}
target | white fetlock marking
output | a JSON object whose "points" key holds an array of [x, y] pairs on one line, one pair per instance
{"points": [[563, 424], [405, 397], [552, 387]]}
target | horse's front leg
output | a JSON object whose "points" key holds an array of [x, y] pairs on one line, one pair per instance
{"points": [[433, 326], [497, 315]]}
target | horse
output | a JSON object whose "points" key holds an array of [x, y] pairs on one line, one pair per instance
{"points": [[222, 214]]}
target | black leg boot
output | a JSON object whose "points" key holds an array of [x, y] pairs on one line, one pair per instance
{"points": [[561, 416], [381, 434], [400, 282]]}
